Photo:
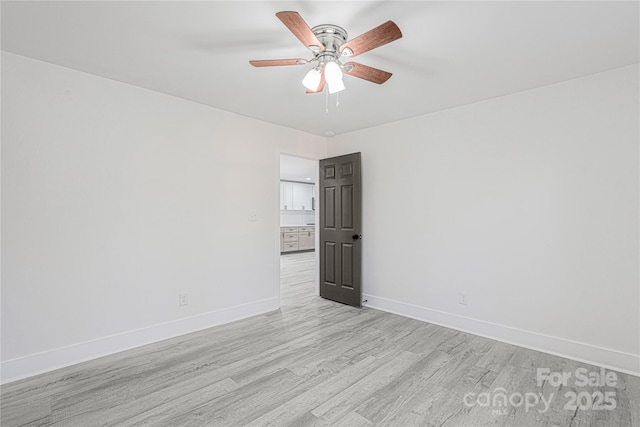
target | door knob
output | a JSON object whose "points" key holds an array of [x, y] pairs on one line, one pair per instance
{"points": [[356, 236]]}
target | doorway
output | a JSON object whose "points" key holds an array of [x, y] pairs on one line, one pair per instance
{"points": [[297, 229]]}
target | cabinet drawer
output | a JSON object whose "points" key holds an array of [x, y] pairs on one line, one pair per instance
{"points": [[290, 237], [289, 246], [289, 229], [306, 229]]}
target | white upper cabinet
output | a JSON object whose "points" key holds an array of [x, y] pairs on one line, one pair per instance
{"points": [[296, 196], [286, 195], [302, 197]]}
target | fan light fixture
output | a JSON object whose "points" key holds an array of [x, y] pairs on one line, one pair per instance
{"points": [[333, 75], [330, 45], [312, 80]]}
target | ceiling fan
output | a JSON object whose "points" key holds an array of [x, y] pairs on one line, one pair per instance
{"points": [[329, 45]]}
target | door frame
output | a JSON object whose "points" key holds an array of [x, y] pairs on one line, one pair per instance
{"points": [[316, 279]]}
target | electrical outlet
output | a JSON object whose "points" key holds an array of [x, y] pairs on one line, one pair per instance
{"points": [[183, 299], [462, 298]]}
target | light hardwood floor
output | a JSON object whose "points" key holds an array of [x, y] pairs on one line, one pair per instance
{"points": [[315, 362]]}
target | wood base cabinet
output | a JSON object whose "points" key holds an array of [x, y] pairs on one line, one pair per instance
{"points": [[301, 238], [306, 238]]}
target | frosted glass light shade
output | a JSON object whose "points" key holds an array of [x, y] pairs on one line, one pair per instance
{"points": [[335, 86], [332, 71], [333, 75], [312, 80]]}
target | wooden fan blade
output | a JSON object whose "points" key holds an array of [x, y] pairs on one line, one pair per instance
{"points": [[277, 62], [300, 29], [379, 36], [367, 73], [320, 86]]}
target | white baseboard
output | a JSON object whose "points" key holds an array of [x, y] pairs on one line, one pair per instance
{"points": [[34, 364], [611, 359]]}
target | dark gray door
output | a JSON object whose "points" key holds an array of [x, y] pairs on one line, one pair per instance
{"points": [[340, 228]]}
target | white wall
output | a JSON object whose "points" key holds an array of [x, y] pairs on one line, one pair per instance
{"points": [[115, 199], [528, 202]]}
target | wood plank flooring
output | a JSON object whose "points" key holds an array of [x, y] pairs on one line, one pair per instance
{"points": [[317, 363]]}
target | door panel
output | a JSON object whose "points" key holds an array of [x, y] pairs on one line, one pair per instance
{"points": [[329, 200], [340, 228], [329, 263], [346, 208], [347, 265]]}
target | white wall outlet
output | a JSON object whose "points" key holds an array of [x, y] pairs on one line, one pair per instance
{"points": [[462, 298], [183, 299], [253, 216]]}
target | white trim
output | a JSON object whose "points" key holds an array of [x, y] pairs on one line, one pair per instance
{"points": [[38, 363], [611, 359]]}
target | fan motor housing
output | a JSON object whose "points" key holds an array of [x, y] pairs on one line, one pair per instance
{"points": [[331, 36]]}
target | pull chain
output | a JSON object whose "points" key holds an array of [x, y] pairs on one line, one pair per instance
{"points": [[326, 102]]}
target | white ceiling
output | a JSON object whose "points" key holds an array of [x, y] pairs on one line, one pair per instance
{"points": [[452, 53]]}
